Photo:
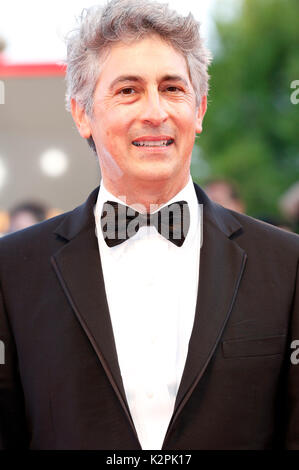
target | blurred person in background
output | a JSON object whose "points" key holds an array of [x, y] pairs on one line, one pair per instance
{"points": [[289, 205], [120, 337], [26, 214], [277, 222], [53, 212], [4, 222], [226, 193]]}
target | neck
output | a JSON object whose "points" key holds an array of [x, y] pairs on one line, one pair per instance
{"points": [[147, 196]]}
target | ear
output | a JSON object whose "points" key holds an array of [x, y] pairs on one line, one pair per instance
{"points": [[200, 114], [81, 119]]}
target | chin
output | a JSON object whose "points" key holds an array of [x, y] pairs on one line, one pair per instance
{"points": [[156, 172], [154, 176]]}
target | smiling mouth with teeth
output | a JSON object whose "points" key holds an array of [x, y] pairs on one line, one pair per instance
{"points": [[153, 143]]}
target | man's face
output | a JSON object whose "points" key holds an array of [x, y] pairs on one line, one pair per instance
{"points": [[144, 116]]}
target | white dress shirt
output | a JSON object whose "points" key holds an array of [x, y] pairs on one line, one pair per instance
{"points": [[151, 287]]}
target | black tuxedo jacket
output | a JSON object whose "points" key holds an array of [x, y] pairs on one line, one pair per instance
{"points": [[60, 385]]}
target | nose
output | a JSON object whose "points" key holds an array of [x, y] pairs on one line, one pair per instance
{"points": [[153, 109]]}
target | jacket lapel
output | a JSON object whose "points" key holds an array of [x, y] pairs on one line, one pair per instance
{"points": [[222, 263], [79, 271]]}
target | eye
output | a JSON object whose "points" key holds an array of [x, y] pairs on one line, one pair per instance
{"points": [[127, 91], [173, 89]]}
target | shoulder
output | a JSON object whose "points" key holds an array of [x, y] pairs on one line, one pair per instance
{"points": [[34, 239], [245, 230], [47, 236], [259, 240], [257, 229], [266, 244]]}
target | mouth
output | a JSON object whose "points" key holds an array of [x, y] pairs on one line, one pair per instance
{"points": [[153, 142]]}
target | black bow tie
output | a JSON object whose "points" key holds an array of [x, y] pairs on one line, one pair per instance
{"points": [[120, 222]]}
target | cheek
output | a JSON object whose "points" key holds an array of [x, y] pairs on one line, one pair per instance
{"points": [[105, 133], [188, 131], [185, 118], [116, 126]]}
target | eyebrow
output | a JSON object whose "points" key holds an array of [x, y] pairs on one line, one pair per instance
{"points": [[138, 78]]}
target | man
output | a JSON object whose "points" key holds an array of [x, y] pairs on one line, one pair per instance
{"points": [[122, 340]]}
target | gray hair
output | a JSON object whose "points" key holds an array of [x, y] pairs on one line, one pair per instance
{"points": [[129, 20]]}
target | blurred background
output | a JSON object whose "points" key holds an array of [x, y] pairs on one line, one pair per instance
{"points": [[247, 157]]}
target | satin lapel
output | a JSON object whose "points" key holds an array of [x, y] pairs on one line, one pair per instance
{"points": [[79, 271], [222, 263]]}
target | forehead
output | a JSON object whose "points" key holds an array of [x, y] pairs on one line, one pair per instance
{"points": [[147, 57]]}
